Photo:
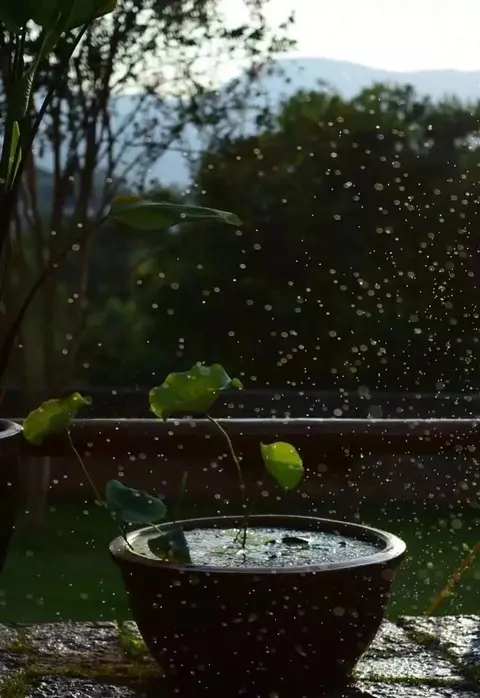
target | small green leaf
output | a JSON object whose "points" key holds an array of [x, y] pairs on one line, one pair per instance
{"points": [[191, 391], [283, 463], [133, 506], [145, 214], [171, 546], [52, 417]]}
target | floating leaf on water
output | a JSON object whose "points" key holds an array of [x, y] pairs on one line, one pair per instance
{"points": [[293, 540], [171, 546]]}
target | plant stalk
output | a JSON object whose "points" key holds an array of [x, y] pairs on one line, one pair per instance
{"points": [[454, 579], [178, 506], [95, 491], [241, 479]]}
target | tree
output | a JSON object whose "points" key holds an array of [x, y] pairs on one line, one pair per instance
{"points": [[356, 262], [132, 89]]}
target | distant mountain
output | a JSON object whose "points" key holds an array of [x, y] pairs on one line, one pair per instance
{"points": [[292, 74], [349, 78]]}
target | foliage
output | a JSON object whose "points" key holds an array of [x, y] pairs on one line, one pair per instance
{"points": [[49, 14], [133, 506], [454, 579], [64, 82], [66, 66], [171, 546], [283, 463], [53, 416], [355, 265], [193, 390], [145, 214]]}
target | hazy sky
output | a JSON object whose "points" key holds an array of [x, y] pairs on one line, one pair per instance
{"points": [[396, 35]]}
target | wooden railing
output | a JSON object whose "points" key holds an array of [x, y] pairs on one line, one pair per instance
{"points": [[328, 437], [354, 458]]}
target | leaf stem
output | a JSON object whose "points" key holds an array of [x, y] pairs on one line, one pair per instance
{"points": [[251, 506], [94, 487], [454, 579], [183, 489], [241, 479]]}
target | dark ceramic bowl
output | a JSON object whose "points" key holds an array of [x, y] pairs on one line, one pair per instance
{"points": [[10, 435], [289, 630]]}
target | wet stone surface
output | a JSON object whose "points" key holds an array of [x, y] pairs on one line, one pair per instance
{"points": [[407, 690], [70, 640], [414, 658], [10, 661], [60, 687], [391, 639], [8, 635], [457, 636], [395, 655]]}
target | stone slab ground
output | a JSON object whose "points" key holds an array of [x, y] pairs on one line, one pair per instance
{"points": [[412, 658]]}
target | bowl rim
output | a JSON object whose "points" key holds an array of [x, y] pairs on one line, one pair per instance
{"points": [[9, 429], [393, 547]]}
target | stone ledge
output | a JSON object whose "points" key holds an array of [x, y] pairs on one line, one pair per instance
{"points": [[457, 637], [395, 655], [424, 657]]}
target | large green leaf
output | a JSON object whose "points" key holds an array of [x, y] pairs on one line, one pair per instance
{"points": [[171, 546], [52, 417], [14, 14], [192, 391], [145, 214], [76, 12], [283, 463], [133, 506]]}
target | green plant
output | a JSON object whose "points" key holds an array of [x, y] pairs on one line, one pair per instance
{"points": [[61, 27], [62, 24], [454, 579], [192, 392]]}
